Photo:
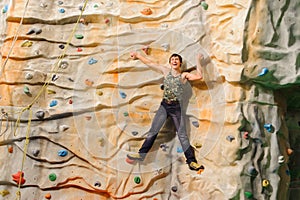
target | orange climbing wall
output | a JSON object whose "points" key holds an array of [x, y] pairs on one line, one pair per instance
{"points": [[92, 104]]}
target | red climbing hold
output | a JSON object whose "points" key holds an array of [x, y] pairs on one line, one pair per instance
{"points": [[18, 177], [130, 161]]}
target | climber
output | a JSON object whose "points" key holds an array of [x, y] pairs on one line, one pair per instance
{"points": [[174, 80]]}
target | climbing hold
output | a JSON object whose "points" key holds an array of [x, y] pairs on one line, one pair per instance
{"points": [[92, 61], [245, 134], [48, 196], [128, 160], [53, 103], [289, 151], [252, 171], [62, 153], [97, 184], [28, 76], [79, 49], [263, 72], [63, 127], [54, 77], [31, 31], [195, 123], [107, 21], [79, 36], [52, 177], [134, 133], [204, 5], [122, 94], [163, 147], [88, 118], [101, 141], [288, 172], [35, 152], [26, 90], [10, 149], [61, 10], [249, 195], [265, 183], [165, 46], [230, 138], [88, 82], [201, 169], [100, 93], [82, 20], [63, 64], [146, 50], [179, 150], [281, 159], [146, 11], [61, 46], [174, 188], [51, 91], [19, 178], [26, 43], [4, 193], [197, 144], [162, 87], [96, 5], [70, 79], [269, 127], [43, 5], [81, 8], [60, 2], [5, 9], [37, 31], [126, 114], [70, 101], [137, 179], [40, 114]]}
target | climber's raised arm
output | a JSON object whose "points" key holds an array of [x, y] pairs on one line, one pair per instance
{"points": [[153, 65]]}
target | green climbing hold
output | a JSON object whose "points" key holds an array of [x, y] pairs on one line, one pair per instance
{"points": [[249, 195], [79, 36], [126, 114], [26, 90], [52, 177], [204, 5], [137, 179]]}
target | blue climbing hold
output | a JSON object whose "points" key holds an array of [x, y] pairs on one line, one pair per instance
{"points": [[61, 10], [122, 94], [92, 61], [195, 123], [5, 9], [53, 103], [269, 127], [263, 72], [62, 153], [179, 150]]}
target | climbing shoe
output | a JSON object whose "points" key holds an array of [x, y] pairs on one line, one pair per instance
{"points": [[135, 156], [195, 166]]}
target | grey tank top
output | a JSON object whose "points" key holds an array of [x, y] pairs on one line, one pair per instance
{"points": [[173, 88]]}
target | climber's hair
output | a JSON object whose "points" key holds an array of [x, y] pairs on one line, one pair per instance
{"points": [[176, 55]]}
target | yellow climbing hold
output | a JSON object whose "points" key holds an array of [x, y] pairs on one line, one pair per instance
{"points": [[197, 144], [265, 183], [100, 93], [51, 91], [27, 43], [4, 193]]}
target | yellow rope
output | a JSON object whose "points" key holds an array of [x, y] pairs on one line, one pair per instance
{"points": [[15, 38], [28, 107]]}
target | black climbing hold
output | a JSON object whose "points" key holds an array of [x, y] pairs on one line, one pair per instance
{"points": [[134, 133], [61, 46], [54, 77], [174, 188], [31, 31], [162, 87], [36, 152], [97, 184]]}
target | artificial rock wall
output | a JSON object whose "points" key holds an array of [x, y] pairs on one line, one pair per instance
{"points": [[74, 103]]}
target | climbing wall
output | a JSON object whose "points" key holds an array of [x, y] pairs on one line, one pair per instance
{"points": [[73, 102]]}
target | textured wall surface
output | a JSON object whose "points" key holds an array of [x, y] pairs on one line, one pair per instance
{"points": [[73, 102]]}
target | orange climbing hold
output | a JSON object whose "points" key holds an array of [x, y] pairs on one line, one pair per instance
{"points": [[10, 149], [146, 11], [48, 196], [130, 161], [289, 151], [88, 82]]}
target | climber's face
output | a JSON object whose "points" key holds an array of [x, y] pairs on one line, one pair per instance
{"points": [[175, 61]]}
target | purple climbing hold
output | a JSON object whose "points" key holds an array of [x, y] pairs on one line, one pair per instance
{"points": [[53, 103], [230, 138], [195, 123], [263, 72], [92, 61]]}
